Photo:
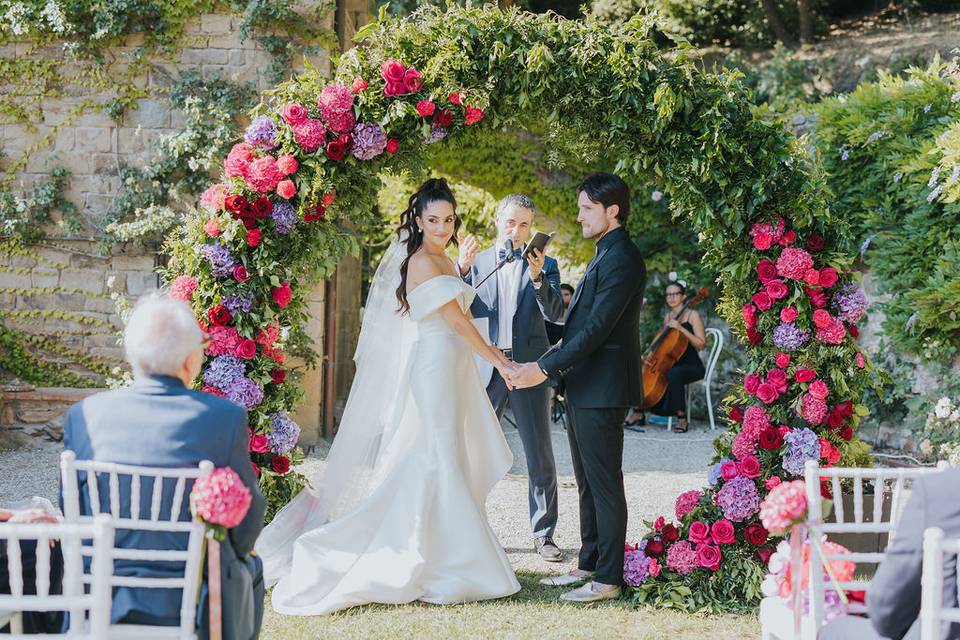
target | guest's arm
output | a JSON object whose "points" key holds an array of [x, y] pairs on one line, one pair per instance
{"points": [[893, 598], [244, 535], [549, 298]]}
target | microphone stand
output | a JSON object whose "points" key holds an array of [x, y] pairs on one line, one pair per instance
{"points": [[508, 258]]}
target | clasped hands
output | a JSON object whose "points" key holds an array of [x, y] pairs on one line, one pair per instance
{"points": [[520, 376]]}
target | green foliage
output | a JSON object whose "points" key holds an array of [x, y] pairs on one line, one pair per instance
{"points": [[735, 588], [24, 217]]}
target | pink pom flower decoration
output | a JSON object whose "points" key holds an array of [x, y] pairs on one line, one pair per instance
{"points": [[686, 502], [182, 288], [310, 134], [212, 199], [334, 100], [263, 174], [793, 263], [784, 506], [239, 158], [220, 498]]}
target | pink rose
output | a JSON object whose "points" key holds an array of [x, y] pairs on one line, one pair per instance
{"points": [[286, 189], [750, 467], [776, 289], [766, 270], [392, 71], [751, 383], [762, 300], [861, 363], [253, 237], [393, 145], [788, 314], [394, 89], [212, 227], [412, 80], [828, 277], [783, 360], [777, 378], [788, 238], [247, 349], [722, 532], [240, 273], [455, 98], [658, 523], [426, 108], [359, 85], [771, 482], [294, 114], [287, 164], [729, 470], [762, 241], [812, 277], [821, 318], [653, 567], [259, 443], [699, 531], [818, 389], [709, 556], [767, 393]]}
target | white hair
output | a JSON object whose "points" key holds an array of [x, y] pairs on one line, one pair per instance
{"points": [[161, 333]]}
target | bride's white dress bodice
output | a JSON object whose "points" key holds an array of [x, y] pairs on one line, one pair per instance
{"points": [[426, 299]]}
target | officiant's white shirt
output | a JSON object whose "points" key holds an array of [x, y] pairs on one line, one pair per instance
{"points": [[507, 285]]}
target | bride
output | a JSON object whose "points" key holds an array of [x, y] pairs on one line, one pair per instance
{"points": [[399, 515]]}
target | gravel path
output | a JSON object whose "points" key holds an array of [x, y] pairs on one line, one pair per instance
{"points": [[657, 466]]}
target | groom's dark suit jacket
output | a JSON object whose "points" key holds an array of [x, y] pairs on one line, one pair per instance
{"points": [[599, 356]]}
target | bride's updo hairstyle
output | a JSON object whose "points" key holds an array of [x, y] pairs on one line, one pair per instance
{"points": [[433, 190]]}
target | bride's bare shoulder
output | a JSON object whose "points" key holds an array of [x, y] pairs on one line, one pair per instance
{"points": [[422, 267]]}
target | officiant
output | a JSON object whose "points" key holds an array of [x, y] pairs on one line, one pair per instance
{"points": [[517, 302]]}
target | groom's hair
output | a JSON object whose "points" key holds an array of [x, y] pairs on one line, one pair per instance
{"points": [[608, 190], [521, 200]]}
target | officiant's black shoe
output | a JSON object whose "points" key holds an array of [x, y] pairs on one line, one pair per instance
{"points": [[547, 549]]}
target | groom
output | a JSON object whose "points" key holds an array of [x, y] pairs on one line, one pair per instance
{"points": [[516, 301], [599, 359]]}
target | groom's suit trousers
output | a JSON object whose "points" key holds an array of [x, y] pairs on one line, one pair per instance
{"points": [[596, 448], [531, 409]]}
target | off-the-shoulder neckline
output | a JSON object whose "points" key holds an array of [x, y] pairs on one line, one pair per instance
{"points": [[442, 275]]}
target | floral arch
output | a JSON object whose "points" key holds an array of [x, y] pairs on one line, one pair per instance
{"points": [[305, 178]]}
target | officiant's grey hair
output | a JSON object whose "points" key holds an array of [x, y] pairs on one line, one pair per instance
{"points": [[161, 333], [521, 200]]}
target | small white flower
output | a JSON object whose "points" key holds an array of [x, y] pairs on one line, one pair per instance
{"points": [[934, 177], [955, 97], [933, 195], [897, 176], [876, 135], [942, 410], [17, 17], [54, 15], [927, 107], [842, 99], [844, 153], [656, 196]]}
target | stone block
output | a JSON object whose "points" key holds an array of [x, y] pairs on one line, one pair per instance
{"points": [[41, 161], [78, 163], [231, 40], [96, 203], [204, 56], [91, 280], [93, 139], [84, 261], [109, 353], [36, 413], [130, 140], [10, 280], [66, 139], [101, 340], [17, 137], [116, 281], [133, 263], [150, 114], [215, 23], [100, 305], [163, 76], [215, 71], [49, 257], [139, 282], [45, 278], [238, 58]]}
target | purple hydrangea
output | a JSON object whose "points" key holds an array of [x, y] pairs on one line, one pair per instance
{"points": [[789, 337], [436, 133], [244, 392], [804, 445], [223, 372], [739, 499], [369, 141], [636, 566], [238, 303], [263, 132], [284, 434], [219, 257], [714, 474], [284, 217], [851, 303]]}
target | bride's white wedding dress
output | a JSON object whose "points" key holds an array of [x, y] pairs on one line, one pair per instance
{"points": [[409, 522]]}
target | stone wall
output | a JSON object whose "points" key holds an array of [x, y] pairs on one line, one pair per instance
{"points": [[29, 416]]}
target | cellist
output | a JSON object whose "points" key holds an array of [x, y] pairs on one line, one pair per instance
{"points": [[688, 369]]}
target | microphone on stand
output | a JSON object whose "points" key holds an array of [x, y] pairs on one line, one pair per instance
{"points": [[509, 257]]}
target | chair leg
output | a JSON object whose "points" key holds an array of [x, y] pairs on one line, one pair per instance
{"points": [[713, 424]]}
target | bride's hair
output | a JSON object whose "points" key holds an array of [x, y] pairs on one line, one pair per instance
{"points": [[433, 190]]}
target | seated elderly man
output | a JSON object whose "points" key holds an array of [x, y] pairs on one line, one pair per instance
{"points": [[893, 599], [160, 422]]}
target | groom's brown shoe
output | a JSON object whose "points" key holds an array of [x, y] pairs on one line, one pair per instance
{"points": [[548, 549], [574, 577], [592, 592]]}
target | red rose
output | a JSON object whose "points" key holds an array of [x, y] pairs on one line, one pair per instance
{"points": [[262, 207], [280, 464], [762, 241], [783, 360], [845, 408], [670, 532], [754, 337], [282, 294], [750, 466], [846, 433], [749, 313], [392, 70], [412, 80], [770, 439], [764, 554], [815, 242], [736, 414], [654, 548], [253, 237], [722, 532], [763, 300], [426, 108], [259, 443], [804, 375], [751, 383], [788, 238], [314, 213], [825, 490], [392, 145], [278, 376], [455, 98], [755, 534], [443, 118], [817, 297], [240, 273], [854, 331], [235, 203], [709, 556], [767, 393], [766, 270], [219, 315], [822, 318], [336, 150], [788, 314], [828, 277], [247, 349], [776, 289], [394, 89], [699, 531], [249, 219], [328, 198], [818, 389], [729, 470], [834, 419], [359, 84], [778, 379], [473, 116]]}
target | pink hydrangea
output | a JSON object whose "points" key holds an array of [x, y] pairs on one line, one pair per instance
{"points": [[335, 99], [793, 263], [212, 199], [342, 122], [239, 158], [310, 134], [263, 174], [833, 333], [220, 498], [686, 502], [212, 227], [182, 288], [755, 420], [287, 164], [681, 558], [743, 445], [785, 505], [223, 341], [813, 409]]}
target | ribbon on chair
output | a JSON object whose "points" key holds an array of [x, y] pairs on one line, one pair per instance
{"points": [[797, 536], [215, 590]]}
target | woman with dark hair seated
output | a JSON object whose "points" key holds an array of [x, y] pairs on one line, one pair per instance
{"points": [[689, 368]]}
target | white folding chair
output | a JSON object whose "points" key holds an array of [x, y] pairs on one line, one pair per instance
{"points": [[932, 612], [715, 342], [157, 518], [776, 618], [73, 599]]}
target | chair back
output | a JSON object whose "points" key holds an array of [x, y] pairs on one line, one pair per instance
{"points": [[933, 614]]}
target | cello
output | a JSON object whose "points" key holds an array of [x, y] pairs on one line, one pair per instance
{"points": [[666, 348]]}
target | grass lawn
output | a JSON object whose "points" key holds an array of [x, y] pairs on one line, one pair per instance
{"points": [[534, 613]]}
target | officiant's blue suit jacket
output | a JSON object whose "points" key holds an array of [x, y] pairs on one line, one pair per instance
{"points": [[158, 422]]}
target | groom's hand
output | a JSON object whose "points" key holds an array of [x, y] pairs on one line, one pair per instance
{"points": [[528, 375]]}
